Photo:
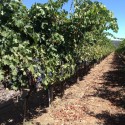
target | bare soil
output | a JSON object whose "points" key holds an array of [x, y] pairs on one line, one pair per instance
{"points": [[98, 99]]}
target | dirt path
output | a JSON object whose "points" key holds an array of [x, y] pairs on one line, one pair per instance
{"points": [[99, 99]]}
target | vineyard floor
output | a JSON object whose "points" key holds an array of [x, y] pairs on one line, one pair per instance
{"points": [[99, 99]]}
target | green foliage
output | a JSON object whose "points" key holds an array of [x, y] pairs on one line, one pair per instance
{"points": [[121, 48], [48, 41]]}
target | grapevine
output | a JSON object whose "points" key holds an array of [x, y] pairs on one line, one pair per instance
{"points": [[45, 44]]}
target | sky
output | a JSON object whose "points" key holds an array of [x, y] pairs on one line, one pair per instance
{"points": [[117, 7]]}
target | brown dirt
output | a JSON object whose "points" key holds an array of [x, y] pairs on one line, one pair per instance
{"points": [[99, 99]]}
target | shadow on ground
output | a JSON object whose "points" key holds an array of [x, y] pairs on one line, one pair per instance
{"points": [[113, 90], [109, 119], [13, 113]]}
